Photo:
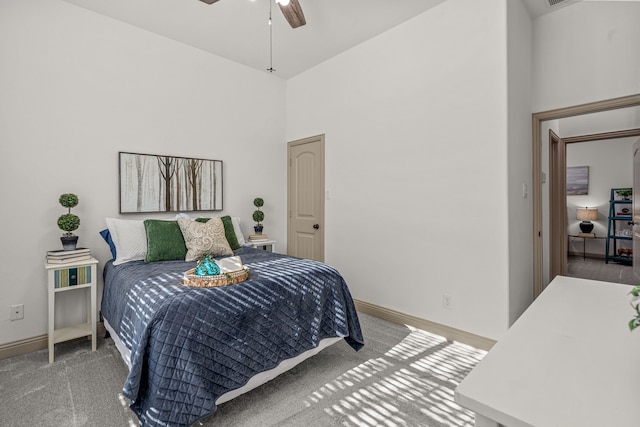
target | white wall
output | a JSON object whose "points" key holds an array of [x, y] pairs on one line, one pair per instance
{"points": [[583, 53], [519, 45], [416, 160], [610, 166], [423, 150], [76, 88], [586, 52]]}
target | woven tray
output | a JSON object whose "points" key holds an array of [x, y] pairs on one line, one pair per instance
{"points": [[195, 281]]}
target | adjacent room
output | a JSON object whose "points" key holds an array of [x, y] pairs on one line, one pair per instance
{"points": [[599, 213], [378, 163], [598, 181]]}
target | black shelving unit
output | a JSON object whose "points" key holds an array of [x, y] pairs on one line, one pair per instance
{"points": [[618, 221]]}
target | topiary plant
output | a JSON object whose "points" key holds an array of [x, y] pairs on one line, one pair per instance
{"points": [[625, 193], [258, 215], [68, 222]]}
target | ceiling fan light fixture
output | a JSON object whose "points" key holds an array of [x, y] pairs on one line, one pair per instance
{"points": [[283, 2]]}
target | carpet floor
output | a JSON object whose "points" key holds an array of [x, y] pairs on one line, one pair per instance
{"points": [[402, 377], [597, 269]]}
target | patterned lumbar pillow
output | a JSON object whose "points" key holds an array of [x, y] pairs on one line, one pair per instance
{"points": [[202, 238], [229, 231]]}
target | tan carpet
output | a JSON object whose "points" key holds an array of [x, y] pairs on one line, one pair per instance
{"points": [[402, 377]]}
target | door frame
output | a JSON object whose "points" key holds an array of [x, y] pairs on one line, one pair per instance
{"points": [[537, 120], [635, 221], [557, 205], [558, 226]]}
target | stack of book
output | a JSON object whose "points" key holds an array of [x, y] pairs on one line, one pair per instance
{"points": [[258, 237], [63, 257]]}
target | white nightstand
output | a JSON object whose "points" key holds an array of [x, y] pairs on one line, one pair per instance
{"points": [[267, 245], [71, 277]]}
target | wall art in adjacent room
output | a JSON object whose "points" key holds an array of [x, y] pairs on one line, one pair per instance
{"points": [[577, 180]]}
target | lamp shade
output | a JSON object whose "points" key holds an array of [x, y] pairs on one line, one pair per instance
{"points": [[587, 214]]}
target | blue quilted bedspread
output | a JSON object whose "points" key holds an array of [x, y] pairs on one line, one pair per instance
{"points": [[191, 345]]}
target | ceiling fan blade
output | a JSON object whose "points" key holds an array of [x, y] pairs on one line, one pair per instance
{"points": [[293, 13], [209, 1]]}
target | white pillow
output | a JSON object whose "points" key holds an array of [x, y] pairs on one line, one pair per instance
{"points": [[236, 229], [130, 239]]}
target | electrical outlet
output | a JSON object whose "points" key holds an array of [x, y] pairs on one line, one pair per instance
{"points": [[447, 301], [17, 312]]}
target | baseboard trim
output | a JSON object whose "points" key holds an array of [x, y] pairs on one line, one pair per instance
{"points": [[28, 345], [39, 342], [585, 255], [451, 334]]}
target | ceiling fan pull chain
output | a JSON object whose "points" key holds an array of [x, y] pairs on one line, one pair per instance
{"points": [[292, 13], [270, 69]]}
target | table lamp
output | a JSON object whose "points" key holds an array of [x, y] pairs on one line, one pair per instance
{"points": [[586, 215]]}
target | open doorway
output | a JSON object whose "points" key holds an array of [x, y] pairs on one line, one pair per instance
{"points": [[596, 164], [556, 210]]}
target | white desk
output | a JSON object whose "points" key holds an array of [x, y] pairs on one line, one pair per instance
{"points": [[570, 360]]}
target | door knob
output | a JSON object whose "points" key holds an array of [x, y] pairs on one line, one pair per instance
{"points": [[316, 226]]}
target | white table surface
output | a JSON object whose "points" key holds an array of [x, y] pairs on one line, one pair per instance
{"points": [[569, 360]]}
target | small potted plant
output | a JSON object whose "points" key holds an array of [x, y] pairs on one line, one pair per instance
{"points": [[635, 303], [258, 215], [625, 193], [69, 222]]}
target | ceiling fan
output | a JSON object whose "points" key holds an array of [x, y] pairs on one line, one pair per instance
{"points": [[290, 9]]}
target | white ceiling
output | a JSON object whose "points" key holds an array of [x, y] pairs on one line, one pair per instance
{"points": [[238, 29]]}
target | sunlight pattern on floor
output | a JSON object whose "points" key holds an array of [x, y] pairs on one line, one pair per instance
{"points": [[125, 405], [377, 393]]}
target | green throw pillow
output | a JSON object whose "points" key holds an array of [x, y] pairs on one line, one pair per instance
{"points": [[229, 232], [164, 241]]}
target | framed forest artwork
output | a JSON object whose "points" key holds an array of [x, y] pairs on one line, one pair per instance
{"points": [[157, 183]]}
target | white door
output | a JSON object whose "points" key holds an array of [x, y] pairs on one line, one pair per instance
{"points": [[636, 211], [305, 198]]}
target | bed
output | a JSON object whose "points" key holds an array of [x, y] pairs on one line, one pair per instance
{"points": [[190, 349]]}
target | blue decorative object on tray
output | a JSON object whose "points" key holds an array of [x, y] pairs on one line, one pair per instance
{"points": [[207, 266], [208, 274]]}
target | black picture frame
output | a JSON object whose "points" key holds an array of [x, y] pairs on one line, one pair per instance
{"points": [[161, 183]]}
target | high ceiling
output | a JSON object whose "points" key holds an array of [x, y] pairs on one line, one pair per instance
{"points": [[238, 29]]}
